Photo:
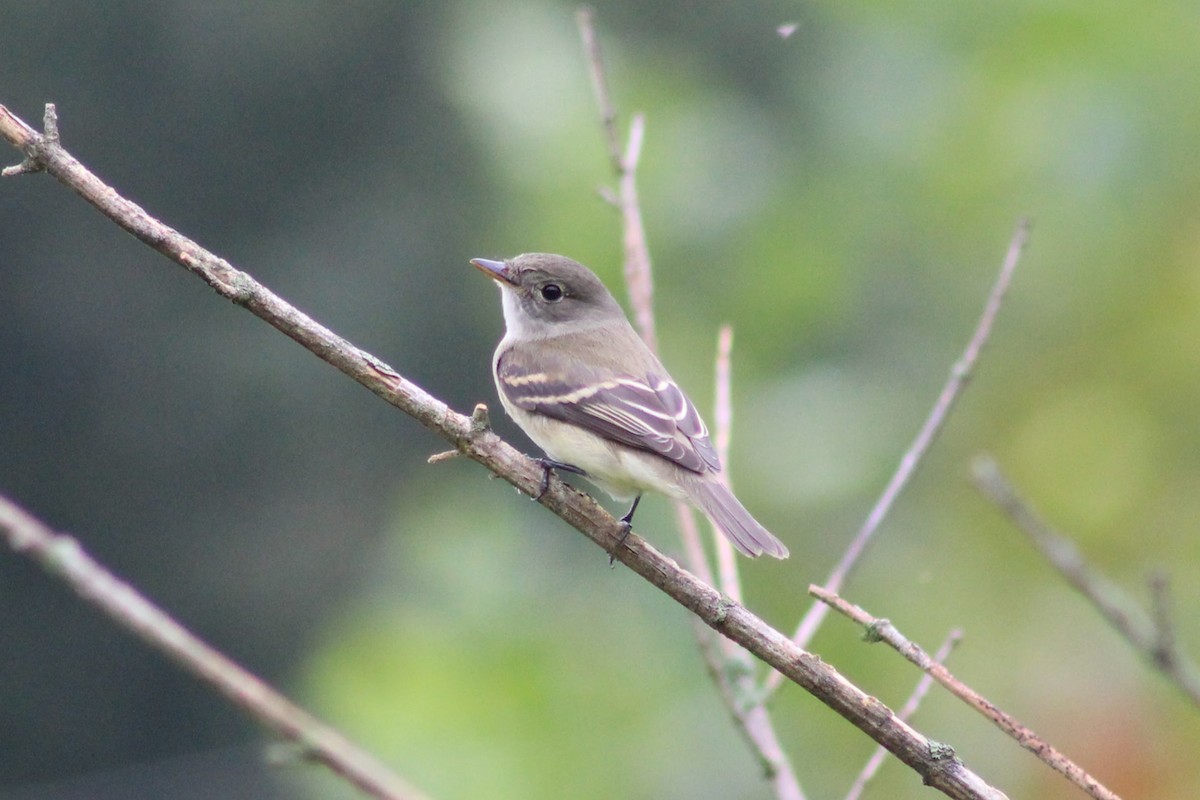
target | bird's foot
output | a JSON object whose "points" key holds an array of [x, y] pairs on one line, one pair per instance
{"points": [[627, 528], [548, 466]]}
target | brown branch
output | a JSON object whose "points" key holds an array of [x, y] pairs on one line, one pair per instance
{"points": [[1152, 635], [480, 444], [960, 375], [906, 711], [882, 630], [63, 557]]}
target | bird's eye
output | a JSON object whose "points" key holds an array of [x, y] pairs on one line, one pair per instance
{"points": [[552, 292]]}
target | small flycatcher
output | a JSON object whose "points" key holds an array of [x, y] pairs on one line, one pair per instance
{"points": [[577, 378]]}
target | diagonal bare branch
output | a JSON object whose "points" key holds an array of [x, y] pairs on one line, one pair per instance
{"points": [[878, 629], [1152, 635], [906, 711], [729, 619], [63, 557], [960, 375]]}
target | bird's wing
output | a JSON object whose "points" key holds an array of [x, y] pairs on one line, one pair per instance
{"points": [[647, 412]]}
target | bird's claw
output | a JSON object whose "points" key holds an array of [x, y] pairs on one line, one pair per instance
{"points": [[548, 466]]}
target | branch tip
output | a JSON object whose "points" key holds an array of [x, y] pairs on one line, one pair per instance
{"points": [[585, 18], [984, 469], [50, 124], [1020, 733], [29, 165], [480, 421]]}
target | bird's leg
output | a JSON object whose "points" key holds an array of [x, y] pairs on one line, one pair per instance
{"points": [[549, 465], [627, 526], [627, 520]]}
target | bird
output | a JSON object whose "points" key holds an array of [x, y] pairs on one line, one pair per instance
{"points": [[579, 381]]}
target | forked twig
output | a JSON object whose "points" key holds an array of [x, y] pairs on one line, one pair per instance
{"points": [[730, 666], [882, 630]]}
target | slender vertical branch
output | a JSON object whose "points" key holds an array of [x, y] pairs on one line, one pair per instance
{"points": [[693, 547], [585, 19], [638, 274], [960, 375], [639, 279], [755, 720], [739, 691], [1151, 635], [727, 567]]}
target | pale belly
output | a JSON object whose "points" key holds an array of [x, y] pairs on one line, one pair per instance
{"points": [[619, 470]]}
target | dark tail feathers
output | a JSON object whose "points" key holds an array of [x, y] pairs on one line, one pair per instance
{"points": [[717, 502]]}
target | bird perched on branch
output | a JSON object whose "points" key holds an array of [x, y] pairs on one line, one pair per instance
{"points": [[575, 376]]}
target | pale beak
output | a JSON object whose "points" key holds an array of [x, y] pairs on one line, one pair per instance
{"points": [[496, 270]]}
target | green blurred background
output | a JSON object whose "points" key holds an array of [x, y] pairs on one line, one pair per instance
{"points": [[842, 196]]}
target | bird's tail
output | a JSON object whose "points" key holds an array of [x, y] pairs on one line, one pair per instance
{"points": [[710, 494]]}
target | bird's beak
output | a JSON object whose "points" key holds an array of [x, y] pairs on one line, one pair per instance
{"points": [[496, 270]]}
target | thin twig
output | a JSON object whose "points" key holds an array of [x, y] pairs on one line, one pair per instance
{"points": [[739, 691], [693, 547], [732, 620], [749, 710], [727, 567], [638, 274], [585, 19], [63, 557], [639, 280], [882, 630], [1151, 635], [1165, 651], [960, 375], [906, 711]]}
